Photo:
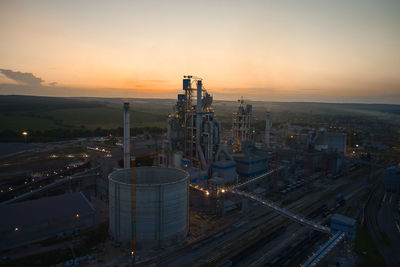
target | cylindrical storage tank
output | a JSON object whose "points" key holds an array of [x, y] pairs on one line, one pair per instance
{"points": [[161, 198]]}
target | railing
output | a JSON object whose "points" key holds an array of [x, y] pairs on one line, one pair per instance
{"points": [[324, 250]]}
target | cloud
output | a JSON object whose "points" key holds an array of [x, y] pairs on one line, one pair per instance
{"points": [[27, 78], [53, 83]]}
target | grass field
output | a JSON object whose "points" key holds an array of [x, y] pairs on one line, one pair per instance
{"points": [[19, 113], [107, 117], [21, 122], [39, 114]]}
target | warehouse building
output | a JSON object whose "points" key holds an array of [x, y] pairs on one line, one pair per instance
{"points": [[35, 220], [344, 224]]}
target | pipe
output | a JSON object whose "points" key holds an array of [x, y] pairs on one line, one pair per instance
{"points": [[169, 161], [202, 159], [127, 151], [219, 132], [222, 149], [207, 151], [216, 134], [210, 140]]}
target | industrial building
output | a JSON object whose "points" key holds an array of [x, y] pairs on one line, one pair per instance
{"points": [[225, 170], [149, 206], [146, 152], [35, 220], [330, 141], [392, 180], [251, 161], [324, 153], [241, 125], [195, 135], [340, 223], [155, 207]]}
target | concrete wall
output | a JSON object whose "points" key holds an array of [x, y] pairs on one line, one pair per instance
{"points": [[161, 206]]}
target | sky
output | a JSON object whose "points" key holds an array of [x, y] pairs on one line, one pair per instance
{"points": [[308, 50]]}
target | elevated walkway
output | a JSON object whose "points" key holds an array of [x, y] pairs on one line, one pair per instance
{"points": [[282, 211], [324, 250]]}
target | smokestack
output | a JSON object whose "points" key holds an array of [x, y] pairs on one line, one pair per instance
{"points": [[127, 151], [267, 130], [198, 112]]}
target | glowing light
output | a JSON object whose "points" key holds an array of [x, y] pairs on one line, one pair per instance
{"points": [[16, 229], [207, 193], [77, 215], [24, 133]]}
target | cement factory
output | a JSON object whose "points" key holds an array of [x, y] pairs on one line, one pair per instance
{"points": [[202, 194]]}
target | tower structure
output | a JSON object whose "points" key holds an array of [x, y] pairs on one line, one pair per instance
{"points": [[267, 131], [241, 125], [127, 150], [192, 127]]}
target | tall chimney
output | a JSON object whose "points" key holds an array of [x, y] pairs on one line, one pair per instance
{"points": [[198, 113], [267, 130], [127, 150]]}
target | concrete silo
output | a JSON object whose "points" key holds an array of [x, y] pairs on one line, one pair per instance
{"points": [[161, 212]]}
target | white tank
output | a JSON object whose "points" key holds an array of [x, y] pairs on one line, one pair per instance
{"points": [[162, 206]]}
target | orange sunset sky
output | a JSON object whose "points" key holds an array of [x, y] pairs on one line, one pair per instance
{"points": [[310, 50]]}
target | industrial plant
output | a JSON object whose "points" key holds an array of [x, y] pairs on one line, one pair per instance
{"points": [[235, 191]]}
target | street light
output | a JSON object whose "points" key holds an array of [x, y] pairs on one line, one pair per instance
{"points": [[25, 135]]}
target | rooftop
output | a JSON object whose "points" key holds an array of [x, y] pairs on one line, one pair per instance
{"points": [[145, 176], [45, 209], [343, 219]]}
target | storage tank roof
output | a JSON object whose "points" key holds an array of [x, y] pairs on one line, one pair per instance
{"points": [[150, 176], [343, 219]]}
